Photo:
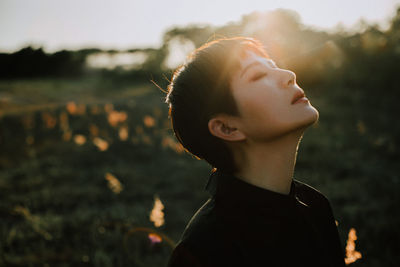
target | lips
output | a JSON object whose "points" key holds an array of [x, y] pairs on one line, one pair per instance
{"points": [[299, 94]]}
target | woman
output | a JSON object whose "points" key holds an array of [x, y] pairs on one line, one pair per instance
{"points": [[232, 106]]}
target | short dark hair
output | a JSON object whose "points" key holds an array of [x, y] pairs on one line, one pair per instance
{"points": [[199, 89]]}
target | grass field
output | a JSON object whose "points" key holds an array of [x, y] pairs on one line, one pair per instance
{"points": [[82, 165]]}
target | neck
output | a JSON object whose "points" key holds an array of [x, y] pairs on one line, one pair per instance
{"points": [[270, 165]]}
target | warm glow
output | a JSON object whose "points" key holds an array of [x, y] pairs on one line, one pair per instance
{"points": [[148, 121], [75, 109], [178, 49], [351, 253], [116, 117], [71, 107], [101, 144], [121, 15], [124, 60], [49, 120], [113, 183], [79, 139], [157, 215], [168, 141], [154, 238], [123, 133]]}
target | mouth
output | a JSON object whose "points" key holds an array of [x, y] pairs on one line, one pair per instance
{"points": [[297, 96]]}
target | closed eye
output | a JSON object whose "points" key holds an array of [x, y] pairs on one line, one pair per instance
{"points": [[259, 75]]}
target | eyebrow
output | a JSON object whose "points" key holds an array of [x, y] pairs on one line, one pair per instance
{"points": [[270, 62], [248, 66]]}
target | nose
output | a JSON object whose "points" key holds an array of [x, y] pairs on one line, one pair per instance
{"points": [[288, 78]]}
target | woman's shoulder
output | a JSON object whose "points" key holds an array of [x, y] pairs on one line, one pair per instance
{"points": [[203, 242], [211, 255], [310, 195], [202, 221], [204, 228]]}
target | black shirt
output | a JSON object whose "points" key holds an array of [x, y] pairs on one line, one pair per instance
{"points": [[245, 225]]}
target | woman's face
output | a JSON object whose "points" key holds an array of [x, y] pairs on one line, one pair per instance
{"points": [[264, 93]]}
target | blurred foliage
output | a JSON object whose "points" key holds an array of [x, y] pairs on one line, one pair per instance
{"points": [[85, 152]]}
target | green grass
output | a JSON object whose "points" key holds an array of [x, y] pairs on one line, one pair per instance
{"points": [[57, 209]]}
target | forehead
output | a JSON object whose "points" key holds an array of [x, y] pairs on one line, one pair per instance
{"points": [[253, 58], [243, 55], [248, 46], [250, 56]]}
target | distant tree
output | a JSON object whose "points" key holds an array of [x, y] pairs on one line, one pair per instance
{"points": [[29, 63]]}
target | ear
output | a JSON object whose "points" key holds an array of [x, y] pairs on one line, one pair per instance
{"points": [[224, 128]]}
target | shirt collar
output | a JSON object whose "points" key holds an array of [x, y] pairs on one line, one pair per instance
{"points": [[234, 192]]}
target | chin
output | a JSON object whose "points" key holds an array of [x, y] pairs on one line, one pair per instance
{"points": [[309, 119], [313, 117]]}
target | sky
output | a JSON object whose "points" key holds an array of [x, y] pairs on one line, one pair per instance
{"points": [[125, 24]]}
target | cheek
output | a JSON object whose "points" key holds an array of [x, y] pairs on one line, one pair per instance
{"points": [[260, 106], [264, 114]]}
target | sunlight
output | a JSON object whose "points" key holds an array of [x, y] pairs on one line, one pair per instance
{"points": [[113, 183], [148, 121], [154, 238], [178, 49], [157, 215], [123, 133], [116, 117], [79, 139], [101, 144], [81, 125], [71, 107], [352, 254], [75, 109], [125, 60], [170, 142]]}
